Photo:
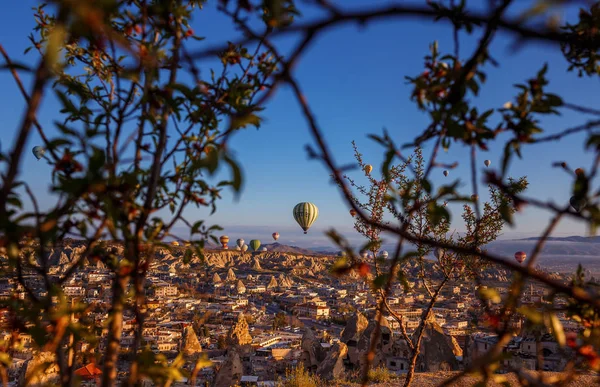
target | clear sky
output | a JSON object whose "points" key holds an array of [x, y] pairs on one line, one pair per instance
{"points": [[354, 79]]}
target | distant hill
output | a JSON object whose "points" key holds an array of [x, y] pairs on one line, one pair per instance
{"points": [[280, 248], [574, 238]]}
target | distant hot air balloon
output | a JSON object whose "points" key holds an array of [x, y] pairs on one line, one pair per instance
{"points": [[224, 240], [445, 173], [364, 254], [305, 214], [263, 249], [275, 235], [487, 163], [474, 197], [38, 152], [245, 248], [368, 169], [175, 243], [240, 243], [383, 254], [353, 212], [577, 204], [579, 172], [520, 256], [254, 244], [341, 254]]}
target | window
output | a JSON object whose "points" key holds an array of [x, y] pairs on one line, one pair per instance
{"points": [[392, 364], [485, 346], [385, 337], [401, 366], [351, 343]]}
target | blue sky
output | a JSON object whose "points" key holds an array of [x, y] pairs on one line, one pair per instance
{"points": [[354, 80]]}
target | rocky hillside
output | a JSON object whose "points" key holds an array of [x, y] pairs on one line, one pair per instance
{"points": [[278, 259]]}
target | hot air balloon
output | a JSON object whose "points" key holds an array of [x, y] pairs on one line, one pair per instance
{"points": [[487, 163], [245, 248], [305, 214], [341, 254], [577, 204], [224, 240], [353, 212], [240, 243], [263, 249], [368, 169], [364, 254], [383, 254], [520, 256], [579, 172], [474, 197], [275, 235], [445, 173], [254, 244], [175, 243], [38, 152]]}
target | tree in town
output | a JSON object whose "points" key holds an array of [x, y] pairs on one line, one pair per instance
{"points": [[403, 194]]}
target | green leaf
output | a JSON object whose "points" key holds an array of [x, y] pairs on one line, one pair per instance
{"points": [[490, 294], [236, 174], [245, 120], [380, 281], [557, 330], [56, 40], [437, 213], [532, 314]]}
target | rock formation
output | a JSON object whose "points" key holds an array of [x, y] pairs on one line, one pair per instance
{"points": [[256, 264], [312, 351], [40, 370], [190, 345], [239, 334], [332, 367], [384, 346], [230, 372], [354, 328], [230, 275], [217, 278], [437, 349], [240, 287], [272, 283]]}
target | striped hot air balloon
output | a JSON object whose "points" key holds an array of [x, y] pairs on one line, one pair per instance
{"points": [[224, 240], [245, 248], [275, 235], [254, 244], [305, 214]]}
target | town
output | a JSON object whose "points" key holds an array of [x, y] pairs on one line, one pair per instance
{"points": [[255, 316]]}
